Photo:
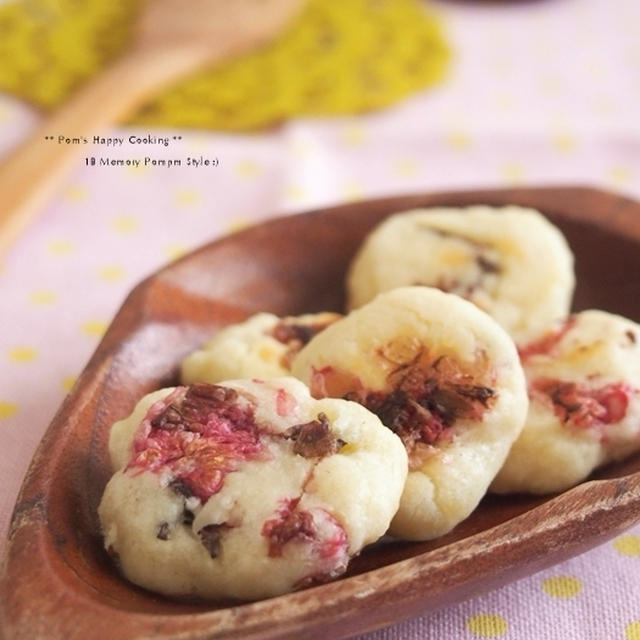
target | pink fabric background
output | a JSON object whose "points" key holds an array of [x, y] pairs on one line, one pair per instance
{"points": [[541, 92]]}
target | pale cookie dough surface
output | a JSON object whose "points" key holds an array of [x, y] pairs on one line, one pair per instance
{"points": [[263, 346], [584, 409], [511, 262], [445, 377], [246, 490]]}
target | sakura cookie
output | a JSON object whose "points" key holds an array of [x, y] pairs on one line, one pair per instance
{"points": [[584, 409], [511, 262], [247, 489], [441, 374], [261, 347]]}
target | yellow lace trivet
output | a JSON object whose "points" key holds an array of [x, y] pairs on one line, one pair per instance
{"points": [[342, 56]]}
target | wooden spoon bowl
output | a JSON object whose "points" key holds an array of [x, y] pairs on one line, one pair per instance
{"points": [[57, 581]]}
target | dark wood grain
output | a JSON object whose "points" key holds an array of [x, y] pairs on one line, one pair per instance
{"points": [[56, 580]]}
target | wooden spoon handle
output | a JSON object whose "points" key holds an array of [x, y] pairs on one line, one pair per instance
{"points": [[31, 174]]}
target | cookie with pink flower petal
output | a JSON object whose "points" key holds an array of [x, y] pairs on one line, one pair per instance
{"points": [[263, 346], [584, 403], [246, 489], [512, 262], [441, 374]]}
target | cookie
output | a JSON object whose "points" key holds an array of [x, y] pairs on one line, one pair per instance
{"points": [[262, 346], [441, 374], [584, 403], [247, 489], [511, 262]]}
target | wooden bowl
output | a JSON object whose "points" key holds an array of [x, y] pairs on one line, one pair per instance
{"points": [[57, 582]]}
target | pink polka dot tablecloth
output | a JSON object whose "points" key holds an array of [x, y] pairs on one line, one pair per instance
{"points": [[540, 92]]}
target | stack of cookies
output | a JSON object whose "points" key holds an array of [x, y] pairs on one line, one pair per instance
{"points": [[294, 442]]}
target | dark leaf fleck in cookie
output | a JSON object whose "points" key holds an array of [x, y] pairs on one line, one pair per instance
{"points": [[286, 332], [210, 536], [163, 531], [314, 439], [290, 524], [180, 487]]}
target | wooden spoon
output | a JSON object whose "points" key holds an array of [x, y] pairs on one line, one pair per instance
{"points": [[173, 38]]}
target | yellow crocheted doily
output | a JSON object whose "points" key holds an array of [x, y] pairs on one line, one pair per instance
{"points": [[341, 56]]}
